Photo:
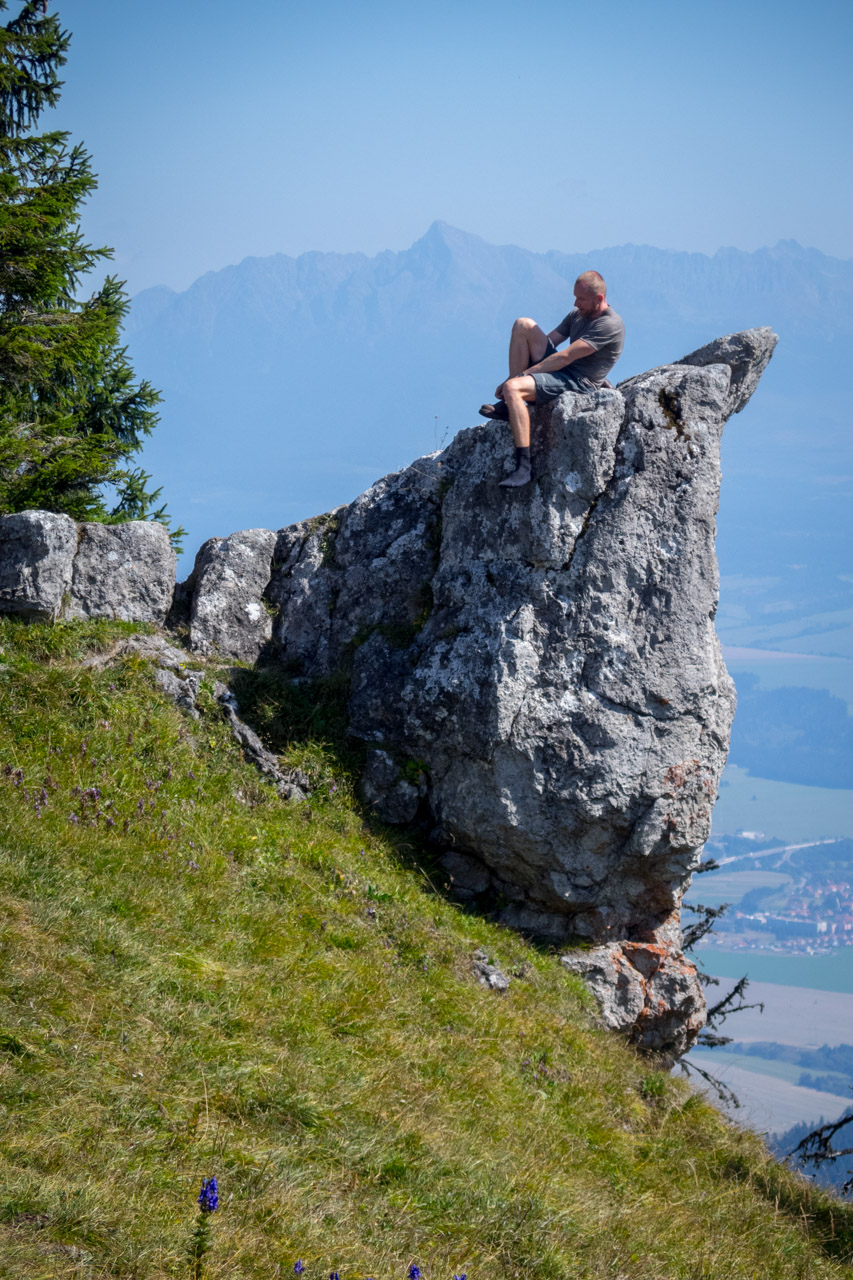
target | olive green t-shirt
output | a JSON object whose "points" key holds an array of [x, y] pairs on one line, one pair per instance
{"points": [[605, 332]]}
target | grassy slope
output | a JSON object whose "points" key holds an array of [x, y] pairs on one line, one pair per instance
{"points": [[205, 980]]}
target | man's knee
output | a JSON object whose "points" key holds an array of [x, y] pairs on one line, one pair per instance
{"points": [[524, 325], [517, 386]]}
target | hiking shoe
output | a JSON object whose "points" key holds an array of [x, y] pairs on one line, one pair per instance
{"points": [[498, 412], [521, 475]]}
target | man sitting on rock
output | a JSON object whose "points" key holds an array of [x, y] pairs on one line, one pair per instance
{"points": [[538, 372]]}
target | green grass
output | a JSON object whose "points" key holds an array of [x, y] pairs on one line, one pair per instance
{"points": [[199, 979]]}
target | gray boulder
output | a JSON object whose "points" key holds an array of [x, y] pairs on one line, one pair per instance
{"points": [[646, 991], [51, 567], [228, 612], [37, 550], [122, 571], [548, 653]]}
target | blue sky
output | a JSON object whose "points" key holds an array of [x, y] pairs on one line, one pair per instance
{"points": [[222, 131]]}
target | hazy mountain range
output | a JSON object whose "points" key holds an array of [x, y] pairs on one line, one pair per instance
{"points": [[290, 384]]}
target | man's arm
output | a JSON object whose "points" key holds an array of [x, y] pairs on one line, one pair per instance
{"points": [[559, 360]]}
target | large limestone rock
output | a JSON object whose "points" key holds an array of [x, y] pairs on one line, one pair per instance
{"points": [[228, 612], [535, 671], [124, 571], [540, 665], [37, 551], [51, 567]]}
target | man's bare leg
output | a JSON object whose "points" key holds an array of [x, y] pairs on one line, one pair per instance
{"points": [[519, 393], [527, 345]]}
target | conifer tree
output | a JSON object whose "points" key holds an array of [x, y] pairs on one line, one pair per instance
{"points": [[71, 413]]}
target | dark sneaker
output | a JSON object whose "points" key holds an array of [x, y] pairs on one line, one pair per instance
{"points": [[521, 475], [498, 411]]}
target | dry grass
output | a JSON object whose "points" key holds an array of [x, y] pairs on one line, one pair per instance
{"points": [[199, 979]]}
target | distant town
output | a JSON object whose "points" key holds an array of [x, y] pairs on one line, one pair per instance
{"points": [[794, 899]]}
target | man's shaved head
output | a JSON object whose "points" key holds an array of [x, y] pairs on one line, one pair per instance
{"points": [[593, 281]]}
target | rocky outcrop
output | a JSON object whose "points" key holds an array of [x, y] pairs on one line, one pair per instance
{"points": [[52, 568], [535, 672]]}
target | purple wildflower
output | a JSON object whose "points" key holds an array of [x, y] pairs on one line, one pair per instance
{"points": [[298, 1267], [208, 1197], [72, 817], [333, 1275], [464, 1276], [414, 1272]]}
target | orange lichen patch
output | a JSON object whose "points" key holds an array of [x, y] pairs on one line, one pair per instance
{"points": [[678, 775], [646, 957], [661, 968]]}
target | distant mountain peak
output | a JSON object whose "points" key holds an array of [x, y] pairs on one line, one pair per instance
{"points": [[442, 237]]}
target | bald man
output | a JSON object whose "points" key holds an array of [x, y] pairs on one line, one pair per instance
{"points": [[538, 372]]}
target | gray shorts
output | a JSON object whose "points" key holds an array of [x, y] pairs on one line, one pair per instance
{"points": [[551, 385]]}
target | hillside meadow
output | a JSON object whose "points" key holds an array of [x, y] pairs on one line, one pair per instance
{"points": [[199, 979]]}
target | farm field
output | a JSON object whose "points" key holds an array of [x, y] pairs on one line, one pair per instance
{"points": [[786, 808], [768, 1103]]}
